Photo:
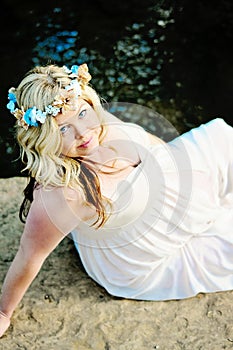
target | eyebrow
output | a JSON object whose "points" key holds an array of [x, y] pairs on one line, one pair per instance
{"points": [[78, 111]]}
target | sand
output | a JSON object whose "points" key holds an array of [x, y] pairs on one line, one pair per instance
{"points": [[65, 310]]}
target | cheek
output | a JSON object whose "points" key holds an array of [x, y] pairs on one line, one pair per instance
{"points": [[67, 145]]}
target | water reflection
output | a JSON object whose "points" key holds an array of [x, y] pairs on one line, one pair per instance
{"points": [[59, 47], [172, 57], [132, 71]]}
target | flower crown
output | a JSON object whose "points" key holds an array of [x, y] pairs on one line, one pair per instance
{"points": [[79, 78]]}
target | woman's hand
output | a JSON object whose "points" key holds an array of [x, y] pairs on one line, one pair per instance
{"points": [[4, 323]]}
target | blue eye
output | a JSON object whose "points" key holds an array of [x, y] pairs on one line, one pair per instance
{"points": [[82, 113], [63, 129]]}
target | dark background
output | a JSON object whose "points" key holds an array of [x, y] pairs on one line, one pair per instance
{"points": [[173, 56]]}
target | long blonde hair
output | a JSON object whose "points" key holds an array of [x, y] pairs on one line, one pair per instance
{"points": [[41, 146]]}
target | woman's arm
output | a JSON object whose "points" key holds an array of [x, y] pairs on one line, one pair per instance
{"points": [[40, 237]]}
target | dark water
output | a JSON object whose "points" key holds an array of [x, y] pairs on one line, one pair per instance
{"points": [[172, 56]]}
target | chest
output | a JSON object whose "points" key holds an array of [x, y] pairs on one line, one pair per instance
{"points": [[114, 181]]}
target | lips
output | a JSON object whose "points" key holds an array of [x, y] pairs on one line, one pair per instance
{"points": [[85, 144]]}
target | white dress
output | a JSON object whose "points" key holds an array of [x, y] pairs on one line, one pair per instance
{"points": [[171, 236]]}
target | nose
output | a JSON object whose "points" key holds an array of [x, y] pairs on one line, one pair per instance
{"points": [[79, 131]]}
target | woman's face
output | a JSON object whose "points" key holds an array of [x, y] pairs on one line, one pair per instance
{"points": [[80, 130]]}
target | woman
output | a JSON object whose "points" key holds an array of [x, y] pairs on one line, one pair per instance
{"points": [[151, 220]]}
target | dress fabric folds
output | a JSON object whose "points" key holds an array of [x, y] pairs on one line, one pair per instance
{"points": [[170, 235]]}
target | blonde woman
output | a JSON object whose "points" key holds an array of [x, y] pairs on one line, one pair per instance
{"points": [[151, 220]]}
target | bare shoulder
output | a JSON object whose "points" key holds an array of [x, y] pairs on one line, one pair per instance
{"points": [[62, 206], [51, 217]]}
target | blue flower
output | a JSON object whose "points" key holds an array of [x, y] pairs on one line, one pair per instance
{"points": [[52, 110], [74, 85], [40, 116], [12, 97], [30, 117], [11, 106], [11, 103], [74, 69]]}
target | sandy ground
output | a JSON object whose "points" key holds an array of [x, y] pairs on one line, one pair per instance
{"points": [[65, 310]]}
